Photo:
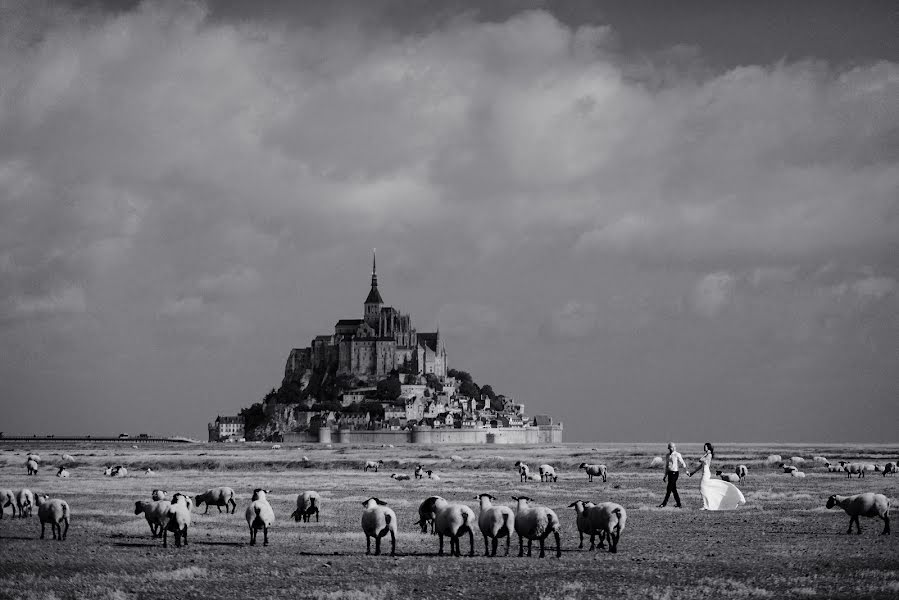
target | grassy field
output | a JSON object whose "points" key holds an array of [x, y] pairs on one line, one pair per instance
{"points": [[782, 543]]}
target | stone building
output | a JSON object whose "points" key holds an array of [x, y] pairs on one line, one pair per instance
{"points": [[226, 428]]}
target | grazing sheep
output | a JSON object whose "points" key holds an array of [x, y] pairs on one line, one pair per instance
{"points": [[524, 471], [836, 468], [797, 460], [54, 512], [798, 474], [548, 473], [774, 459], [159, 495], [535, 523], [276, 446], [608, 520], [378, 520], [741, 472], [400, 477], [427, 513], [218, 497], [863, 505], [432, 475], [7, 498], [308, 504], [789, 468], [62, 472], [419, 471], [495, 522], [889, 469], [871, 467], [821, 460], [855, 468], [68, 458], [657, 461], [595, 471], [454, 520], [31, 465], [372, 464], [33, 456], [583, 523], [24, 502], [155, 512], [177, 520], [731, 477], [259, 515]]}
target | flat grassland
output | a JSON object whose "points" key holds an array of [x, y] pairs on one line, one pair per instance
{"points": [[783, 543]]}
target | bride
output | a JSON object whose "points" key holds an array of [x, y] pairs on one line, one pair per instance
{"points": [[716, 493]]}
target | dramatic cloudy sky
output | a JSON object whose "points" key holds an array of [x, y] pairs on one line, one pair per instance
{"points": [[650, 220]]}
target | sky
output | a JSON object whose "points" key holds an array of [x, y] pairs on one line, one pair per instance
{"points": [[652, 221]]}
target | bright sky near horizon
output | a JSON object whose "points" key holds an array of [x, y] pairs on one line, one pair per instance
{"points": [[649, 220]]}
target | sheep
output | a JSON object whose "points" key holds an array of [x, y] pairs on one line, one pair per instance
{"points": [[657, 461], [532, 477], [276, 446], [372, 464], [863, 505], [432, 475], [33, 456], [68, 458], [871, 467], [547, 473], [789, 468], [218, 497], [774, 459], [854, 469], [836, 468], [119, 471], [259, 515], [177, 520], [741, 472], [149, 471], [24, 502], [31, 465], [62, 472], [731, 477], [400, 477], [419, 470], [595, 471], [797, 460], [608, 520], [524, 472], [495, 522], [535, 523], [378, 520], [7, 498], [583, 524], [427, 513], [889, 469], [54, 512], [155, 512], [308, 503], [107, 471], [453, 521], [159, 495], [798, 474], [820, 460]]}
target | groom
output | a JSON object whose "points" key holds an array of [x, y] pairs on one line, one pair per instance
{"points": [[672, 461]]}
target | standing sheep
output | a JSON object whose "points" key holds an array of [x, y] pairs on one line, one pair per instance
{"points": [[177, 520], [535, 523], [495, 522], [608, 520], [595, 471], [31, 465], [419, 470], [308, 504], [24, 502], [7, 499], [548, 473], [378, 520], [583, 523], [889, 469], [155, 513], [855, 468], [218, 497], [55, 512], [259, 515], [427, 513], [159, 495], [863, 505], [524, 471], [741, 471], [454, 520], [62, 472], [731, 477], [373, 465]]}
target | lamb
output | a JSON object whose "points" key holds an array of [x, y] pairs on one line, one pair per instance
{"points": [[427, 513], [889, 469], [24, 502], [608, 520], [535, 523], [308, 504], [595, 471], [418, 471], [177, 520], [33, 456], [863, 505], [62, 472], [54, 512], [378, 520], [155, 512], [454, 520], [400, 477], [119, 471], [372, 464], [495, 522], [218, 497], [107, 471], [432, 475], [259, 515], [583, 523], [31, 465], [731, 477], [547, 473], [524, 471], [7, 499], [741, 471]]}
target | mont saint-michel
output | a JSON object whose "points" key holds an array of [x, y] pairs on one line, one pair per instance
{"points": [[378, 379]]}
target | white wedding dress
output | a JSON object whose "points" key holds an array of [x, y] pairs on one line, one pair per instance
{"points": [[718, 494]]}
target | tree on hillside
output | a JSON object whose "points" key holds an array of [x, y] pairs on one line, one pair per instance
{"points": [[487, 390], [253, 416], [389, 389]]}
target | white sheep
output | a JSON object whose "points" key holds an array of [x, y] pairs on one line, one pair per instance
{"points": [[68, 458], [797, 460], [24, 502], [276, 446], [119, 471], [419, 471], [259, 515], [548, 473], [378, 520], [657, 461], [454, 520], [188, 499], [218, 497], [427, 513], [595, 471], [798, 474], [821, 460], [31, 465], [608, 520], [731, 477], [7, 498], [159, 495], [741, 471], [155, 513], [583, 523], [495, 522], [149, 471], [308, 504], [177, 520], [774, 459], [836, 468], [432, 475], [62, 472], [855, 468], [889, 469], [535, 523], [33, 456], [863, 505], [55, 512], [372, 464], [400, 477]]}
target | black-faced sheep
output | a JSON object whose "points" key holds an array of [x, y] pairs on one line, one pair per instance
{"points": [[863, 505], [7, 498], [548, 473], [177, 520], [373, 465], [535, 523], [155, 513], [259, 515], [427, 513], [218, 497], [55, 512], [378, 520], [308, 504], [741, 471], [495, 522], [595, 471], [453, 521], [583, 523], [731, 477], [24, 502], [608, 520]]}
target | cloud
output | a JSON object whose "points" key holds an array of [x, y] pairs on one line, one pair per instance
{"points": [[468, 319], [574, 320], [712, 293], [66, 300]]}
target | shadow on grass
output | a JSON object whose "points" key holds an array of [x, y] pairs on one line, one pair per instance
{"points": [[135, 545], [16, 537]]}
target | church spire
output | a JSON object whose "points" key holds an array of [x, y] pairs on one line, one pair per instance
{"points": [[374, 269], [374, 301]]}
